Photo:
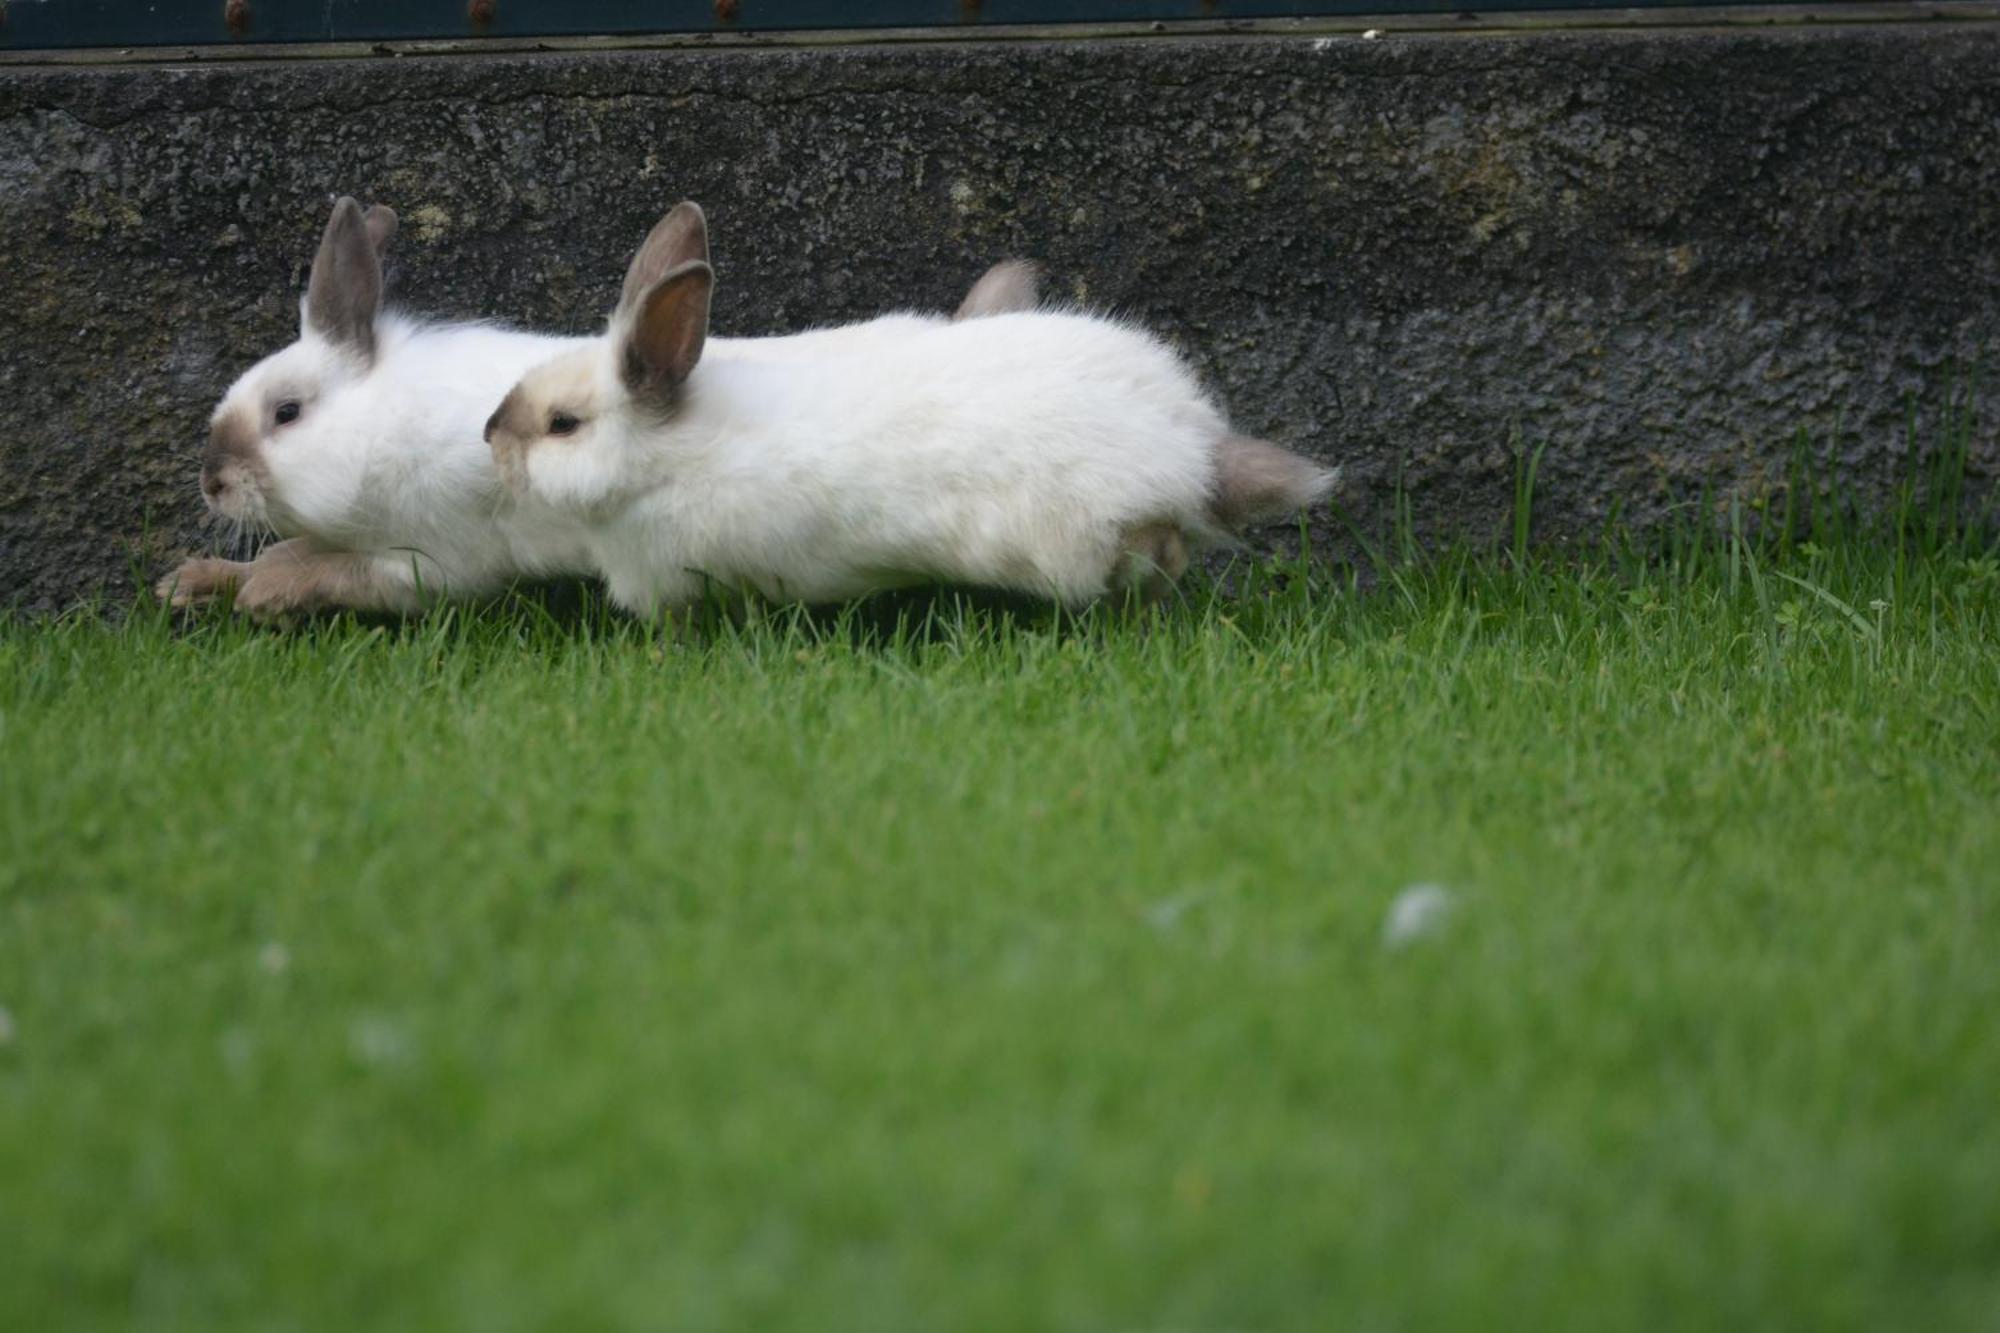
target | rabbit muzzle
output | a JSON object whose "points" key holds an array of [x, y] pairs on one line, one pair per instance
{"points": [[233, 474], [510, 448]]}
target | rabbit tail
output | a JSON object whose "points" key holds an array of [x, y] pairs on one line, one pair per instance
{"points": [[1258, 482]]}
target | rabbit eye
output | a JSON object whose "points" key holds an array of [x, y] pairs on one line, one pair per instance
{"points": [[288, 412], [562, 423]]}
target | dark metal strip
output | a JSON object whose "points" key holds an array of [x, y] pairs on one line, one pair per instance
{"points": [[51, 24]]}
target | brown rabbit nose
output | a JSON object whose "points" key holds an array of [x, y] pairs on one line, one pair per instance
{"points": [[492, 424], [230, 440]]}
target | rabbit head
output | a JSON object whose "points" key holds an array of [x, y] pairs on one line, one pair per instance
{"points": [[266, 461], [573, 431]]}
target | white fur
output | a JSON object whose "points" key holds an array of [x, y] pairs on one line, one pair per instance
{"points": [[387, 459], [1018, 451]]}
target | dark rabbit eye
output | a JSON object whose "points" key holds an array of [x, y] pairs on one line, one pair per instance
{"points": [[288, 412], [562, 423]]}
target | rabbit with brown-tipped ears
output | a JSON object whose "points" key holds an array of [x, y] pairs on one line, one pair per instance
{"points": [[361, 442], [1058, 454]]}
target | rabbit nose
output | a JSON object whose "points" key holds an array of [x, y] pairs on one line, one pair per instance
{"points": [[492, 424], [232, 443]]}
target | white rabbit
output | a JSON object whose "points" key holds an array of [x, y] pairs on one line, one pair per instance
{"points": [[1056, 454], [361, 441]]}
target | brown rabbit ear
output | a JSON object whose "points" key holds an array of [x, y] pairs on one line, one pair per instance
{"points": [[681, 237], [1009, 286], [664, 339], [381, 224], [346, 286]]}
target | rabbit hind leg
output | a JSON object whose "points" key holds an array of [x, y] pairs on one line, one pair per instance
{"points": [[1151, 558]]}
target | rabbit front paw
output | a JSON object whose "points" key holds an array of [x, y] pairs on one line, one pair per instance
{"points": [[200, 580]]}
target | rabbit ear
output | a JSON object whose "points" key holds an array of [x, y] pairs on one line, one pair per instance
{"points": [[346, 285], [681, 237], [664, 336], [381, 224], [1010, 285]]}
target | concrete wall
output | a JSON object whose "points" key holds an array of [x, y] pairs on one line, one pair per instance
{"points": [[1661, 252]]}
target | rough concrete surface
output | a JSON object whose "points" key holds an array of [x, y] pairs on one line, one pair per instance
{"points": [[1663, 253]]}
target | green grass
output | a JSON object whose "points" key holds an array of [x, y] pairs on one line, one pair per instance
{"points": [[988, 971]]}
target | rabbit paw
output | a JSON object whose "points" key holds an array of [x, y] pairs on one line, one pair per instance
{"points": [[201, 580], [274, 592], [294, 579]]}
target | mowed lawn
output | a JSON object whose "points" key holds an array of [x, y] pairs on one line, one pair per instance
{"points": [[989, 970]]}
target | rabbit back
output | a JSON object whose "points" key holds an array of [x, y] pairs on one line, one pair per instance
{"points": [[1017, 451]]}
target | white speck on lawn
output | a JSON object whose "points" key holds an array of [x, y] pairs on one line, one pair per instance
{"points": [[274, 957], [1418, 911], [380, 1041], [1165, 914], [238, 1049]]}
